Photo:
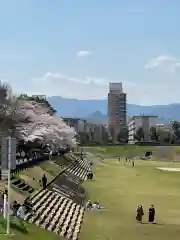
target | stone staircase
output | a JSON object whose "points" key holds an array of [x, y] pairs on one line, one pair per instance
{"points": [[79, 169], [21, 185], [57, 211]]}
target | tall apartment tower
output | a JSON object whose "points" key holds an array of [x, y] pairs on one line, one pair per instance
{"points": [[116, 109]]}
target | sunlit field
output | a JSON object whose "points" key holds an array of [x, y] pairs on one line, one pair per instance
{"points": [[120, 188], [129, 149]]}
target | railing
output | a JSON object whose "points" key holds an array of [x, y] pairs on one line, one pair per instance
{"points": [[24, 162]]}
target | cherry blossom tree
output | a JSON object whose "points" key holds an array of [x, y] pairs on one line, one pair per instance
{"points": [[30, 120]]}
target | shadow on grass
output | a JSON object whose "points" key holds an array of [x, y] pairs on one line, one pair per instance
{"points": [[159, 224], [16, 224]]}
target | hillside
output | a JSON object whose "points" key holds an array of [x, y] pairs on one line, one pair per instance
{"points": [[97, 109]]}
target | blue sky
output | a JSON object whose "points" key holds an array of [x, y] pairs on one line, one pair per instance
{"points": [[74, 48]]}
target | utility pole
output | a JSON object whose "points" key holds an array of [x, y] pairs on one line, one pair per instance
{"points": [[8, 162], [9, 186]]}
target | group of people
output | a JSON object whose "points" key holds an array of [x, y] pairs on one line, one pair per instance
{"points": [[16, 209], [20, 210], [140, 214], [127, 160]]}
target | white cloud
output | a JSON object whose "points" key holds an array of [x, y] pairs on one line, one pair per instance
{"points": [[83, 53], [165, 62], [159, 87], [64, 85], [63, 77], [163, 85], [58, 84], [147, 93]]}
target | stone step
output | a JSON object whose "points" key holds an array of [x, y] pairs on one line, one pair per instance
{"points": [[22, 185], [79, 169], [56, 213]]}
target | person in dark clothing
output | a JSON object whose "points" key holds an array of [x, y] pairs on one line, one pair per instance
{"points": [[28, 205], [2, 196], [15, 207], [139, 213], [90, 175], [1, 203], [133, 162], [44, 181], [151, 214]]}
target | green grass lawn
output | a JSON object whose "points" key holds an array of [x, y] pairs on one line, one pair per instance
{"points": [[18, 231], [134, 150], [120, 189], [127, 150]]}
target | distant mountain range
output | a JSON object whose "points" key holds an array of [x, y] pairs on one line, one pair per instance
{"points": [[97, 109]]}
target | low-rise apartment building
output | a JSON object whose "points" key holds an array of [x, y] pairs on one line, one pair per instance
{"points": [[144, 122], [88, 131], [165, 127]]}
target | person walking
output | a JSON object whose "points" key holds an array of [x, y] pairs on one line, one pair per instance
{"points": [[139, 213], [44, 181], [152, 213], [133, 162], [15, 207]]}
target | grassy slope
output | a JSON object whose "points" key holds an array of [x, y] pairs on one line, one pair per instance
{"points": [[17, 229], [120, 189], [32, 176], [51, 169]]}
